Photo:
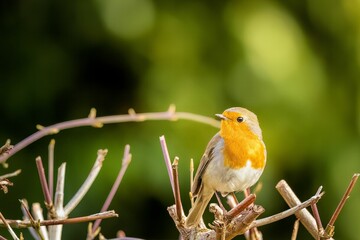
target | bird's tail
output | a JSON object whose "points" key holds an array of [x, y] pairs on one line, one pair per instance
{"points": [[201, 202]]}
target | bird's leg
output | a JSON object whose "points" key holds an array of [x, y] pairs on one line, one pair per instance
{"points": [[247, 192], [254, 233], [220, 203], [235, 199]]}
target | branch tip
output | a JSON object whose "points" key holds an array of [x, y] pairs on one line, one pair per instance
{"points": [[172, 108], [92, 113], [132, 112], [330, 226], [175, 162], [39, 127]]}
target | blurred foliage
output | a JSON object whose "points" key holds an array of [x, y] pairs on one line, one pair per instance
{"points": [[294, 63]]}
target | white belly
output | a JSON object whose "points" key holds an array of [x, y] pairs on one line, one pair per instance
{"points": [[226, 180]]}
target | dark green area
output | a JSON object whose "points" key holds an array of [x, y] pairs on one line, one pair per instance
{"points": [[294, 63]]}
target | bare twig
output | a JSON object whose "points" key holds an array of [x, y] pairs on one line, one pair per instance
{"points": [[51, 167], [87, 184], [294, 210], [234, 212], [303, 215], [43, 182], [9, 175], [38, 215], [125, 163], [170, 114], [167, 162], [89, 218], [191, 180], [26, 218], [179, 208], [7, 225], [25, 207], [316, 214], [34, 223], [329, 230], [58, 214], [242, 223], [295, 230]]}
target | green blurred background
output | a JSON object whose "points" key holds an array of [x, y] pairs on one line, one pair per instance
{"points": [[296, 64]]}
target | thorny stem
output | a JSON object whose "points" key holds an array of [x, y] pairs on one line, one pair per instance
{"points": [[125, 163], [94, 121]]}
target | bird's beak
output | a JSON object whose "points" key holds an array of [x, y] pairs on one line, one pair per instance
{"points": [[221, 117]]}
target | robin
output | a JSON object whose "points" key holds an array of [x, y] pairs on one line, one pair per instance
{"points": [[233, 160]]}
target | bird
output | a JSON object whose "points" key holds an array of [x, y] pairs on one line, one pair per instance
{"points": [[233, 161]]}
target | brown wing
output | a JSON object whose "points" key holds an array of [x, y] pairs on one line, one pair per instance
{"points": [[206, 158]]}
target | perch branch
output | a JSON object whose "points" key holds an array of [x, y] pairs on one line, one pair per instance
{"points": [[235, 211], [94, 121]]}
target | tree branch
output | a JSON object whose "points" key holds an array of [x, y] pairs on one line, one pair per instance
{"points": [[94, 121], [287, 213], [7, 225], [304, 215], [43, 182], [51, 167], [89, 218], [87, 184], [125, 163]]}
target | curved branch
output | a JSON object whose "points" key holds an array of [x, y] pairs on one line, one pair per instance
{"points": [[92, 120]]}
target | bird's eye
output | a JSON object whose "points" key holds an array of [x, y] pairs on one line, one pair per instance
{"points": [[240, 119]]}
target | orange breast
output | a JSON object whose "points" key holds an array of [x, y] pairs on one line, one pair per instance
{"points": [[241, 146]]}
